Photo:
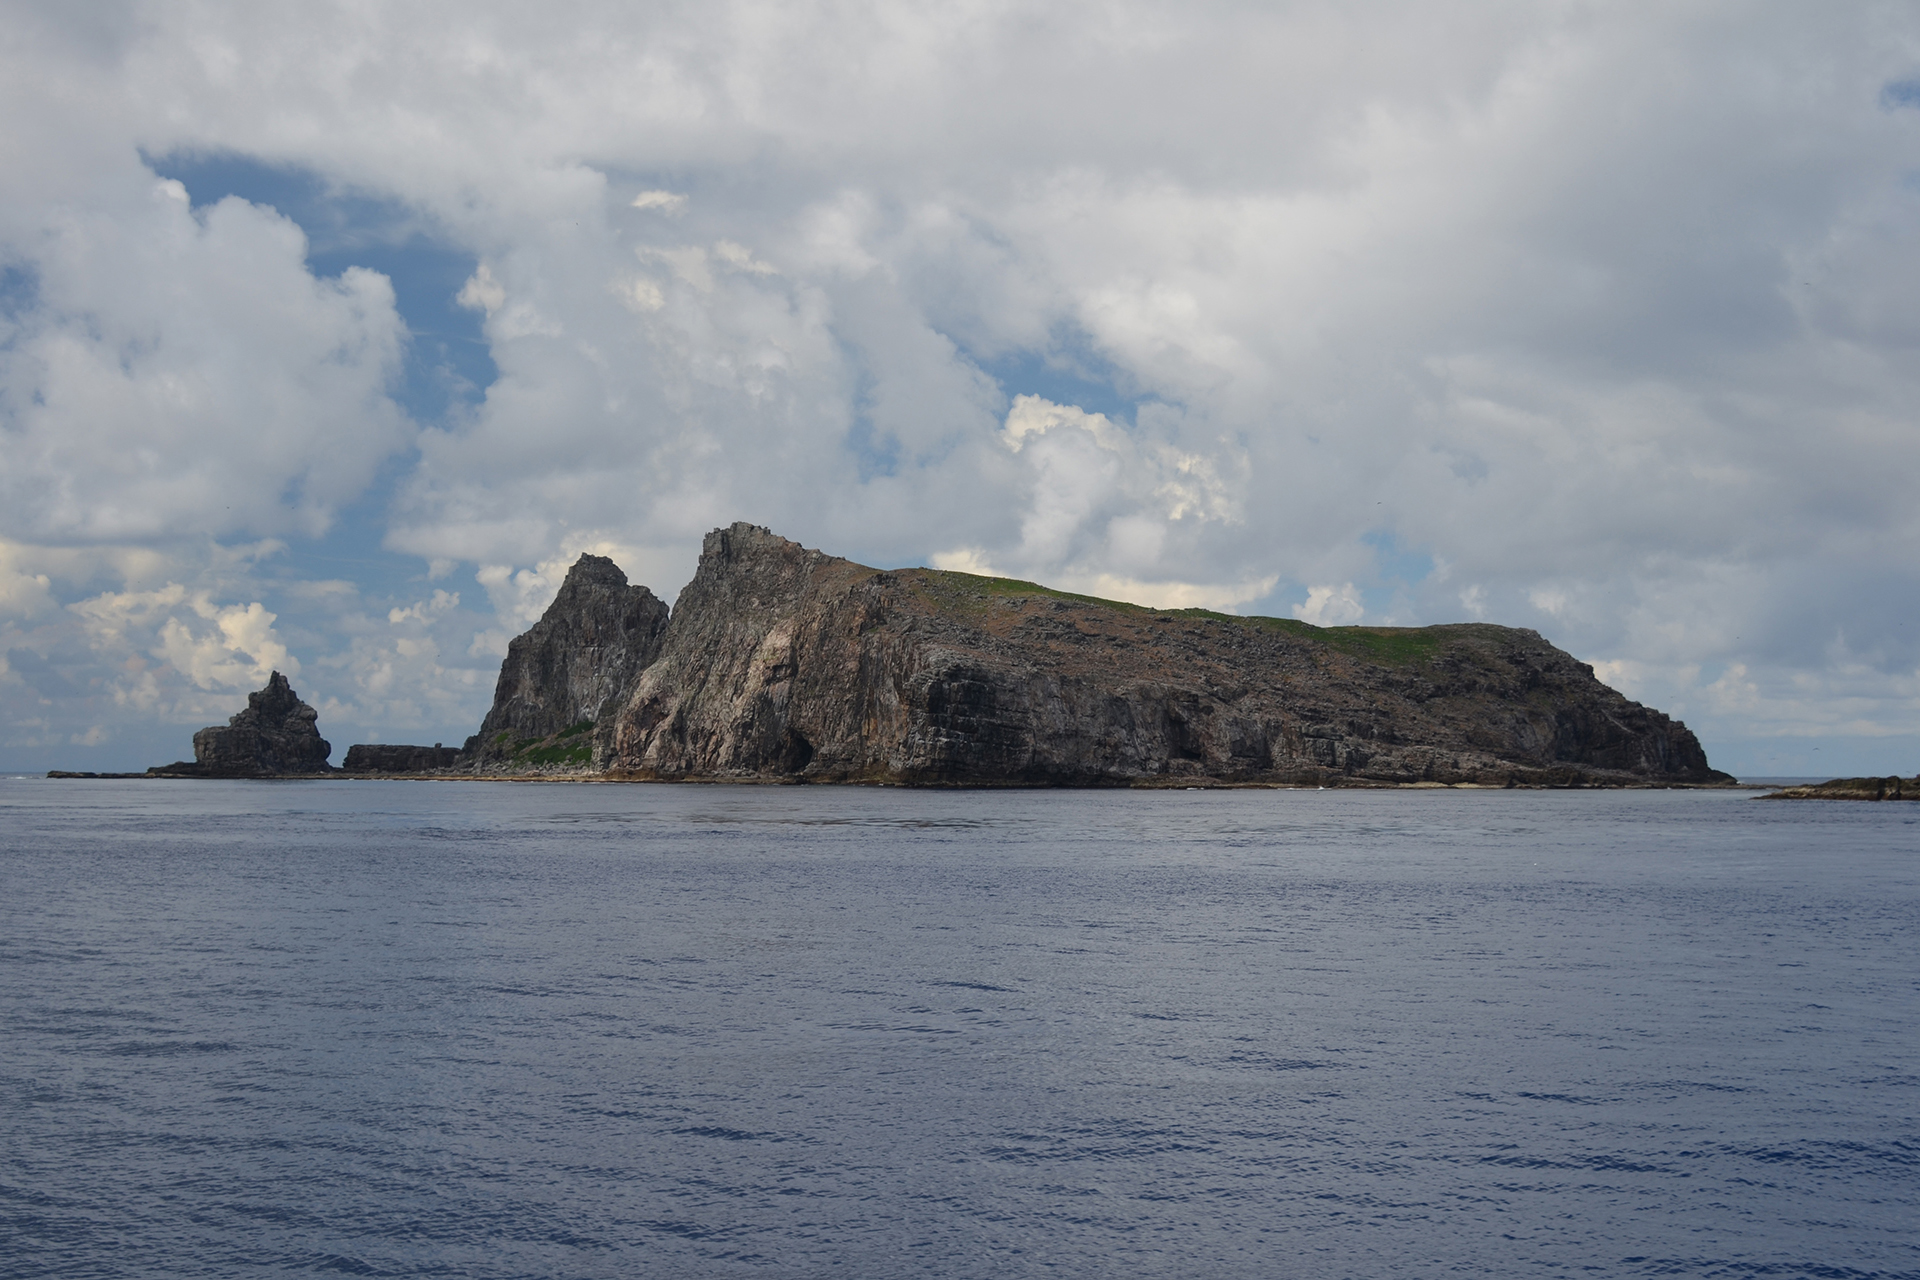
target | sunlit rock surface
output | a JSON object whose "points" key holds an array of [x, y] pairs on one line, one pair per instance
{"points": [[781, 662]]}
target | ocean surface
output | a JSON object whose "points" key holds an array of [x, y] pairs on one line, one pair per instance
{"points": [[491, 1030]]}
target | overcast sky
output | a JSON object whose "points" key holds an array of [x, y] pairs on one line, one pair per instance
{"points": [[331, 333]]}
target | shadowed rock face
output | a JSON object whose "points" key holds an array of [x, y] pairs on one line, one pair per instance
{"points": [[276, 734], [383, 757], [588, 647], [785, 662]]}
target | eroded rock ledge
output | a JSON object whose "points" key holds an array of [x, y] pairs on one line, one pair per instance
{"points": [[380, 757]]}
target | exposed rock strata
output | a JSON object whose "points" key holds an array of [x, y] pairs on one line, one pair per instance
{"points": [[277, 734], [382, 757], [781, 662], [586, 650]]}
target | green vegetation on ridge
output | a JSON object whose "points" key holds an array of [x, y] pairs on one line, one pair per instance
{"points": [[1387, 646]]}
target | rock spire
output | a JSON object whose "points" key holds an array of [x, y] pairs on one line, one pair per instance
{"points": [[587, 649], [277, 734]]}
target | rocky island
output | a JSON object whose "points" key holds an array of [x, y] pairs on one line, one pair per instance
{"points": [[781, 663], [275, 736]]}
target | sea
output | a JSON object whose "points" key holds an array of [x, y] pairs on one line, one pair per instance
{"points": [[595, 1030]]}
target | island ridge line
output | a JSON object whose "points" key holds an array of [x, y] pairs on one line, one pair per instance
{"points": [[780, 663]]}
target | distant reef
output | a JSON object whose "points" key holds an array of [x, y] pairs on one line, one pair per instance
{"points": [[1888, 788], [783, 664]]}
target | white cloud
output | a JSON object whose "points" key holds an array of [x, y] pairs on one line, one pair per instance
{"points": [[24, 595], [425, 611], [665, 201], [1611, 312], [740, 258], [183, 373], [1222, 597], [228, 646], [1331, 606], [240, 655], [482, 292], [1108, 586], [1548, 600], [965, 560]]}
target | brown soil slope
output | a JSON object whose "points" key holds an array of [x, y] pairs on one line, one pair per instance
{"points": [[781, 662]]}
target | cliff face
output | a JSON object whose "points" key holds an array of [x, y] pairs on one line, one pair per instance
{"points": [[276, 734], [785, 662], [588, 648]]}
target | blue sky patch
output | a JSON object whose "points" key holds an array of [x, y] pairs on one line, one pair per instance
{"points": [[1395, 564], [1076, 378], [1901, 93], [449, 364], [19, 288]]}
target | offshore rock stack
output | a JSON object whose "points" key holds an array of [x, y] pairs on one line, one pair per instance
{"points": [[275, 736]]}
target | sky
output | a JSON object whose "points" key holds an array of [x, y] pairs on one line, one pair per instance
{"points": [[331, 333]]}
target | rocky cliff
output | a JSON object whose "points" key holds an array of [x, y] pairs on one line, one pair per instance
{"points": [[781, 662], [276, 734], [587, 649]]}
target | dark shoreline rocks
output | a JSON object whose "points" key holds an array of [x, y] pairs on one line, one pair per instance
{"points": [[1892, 787], [381, 757]]}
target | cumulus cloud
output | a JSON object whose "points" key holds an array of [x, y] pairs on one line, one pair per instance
{"points": [[482, 292], [1267, 307], [1331, 606], [665, 201], [183, 373], [226, 646]]}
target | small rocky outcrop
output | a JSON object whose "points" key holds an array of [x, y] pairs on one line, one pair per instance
{"points": [[1893, 787], [276, 735], [587, 650], [783, 662], [382, 757]]}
